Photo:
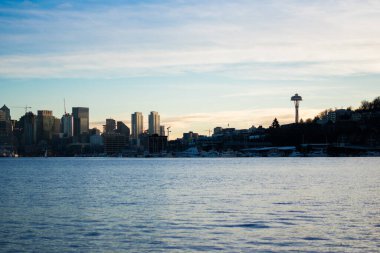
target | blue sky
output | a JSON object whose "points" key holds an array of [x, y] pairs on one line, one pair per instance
{"points": [[198, 63]]}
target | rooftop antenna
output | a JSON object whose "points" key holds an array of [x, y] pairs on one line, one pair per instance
{"points": [[296, 98], [64, 105]]}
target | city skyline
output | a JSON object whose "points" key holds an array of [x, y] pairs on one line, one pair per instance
{"points": [[284, 115], [199, 64]]}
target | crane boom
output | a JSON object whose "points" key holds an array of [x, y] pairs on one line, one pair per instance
{"points": [[168, 128], [209, 132]]}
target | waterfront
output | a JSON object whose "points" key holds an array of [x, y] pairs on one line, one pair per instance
{"points": [[232, 204]]}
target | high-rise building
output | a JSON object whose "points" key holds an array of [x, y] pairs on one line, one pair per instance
{"points": [[110, 126], [5, 125], [46, 125], [29, 129], [7, 112], [2, 115], [67, 123], [81, 119], [123, 130], [154, 123], [137, 125], [162, 131]]}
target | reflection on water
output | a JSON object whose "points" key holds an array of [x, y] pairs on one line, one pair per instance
{"points": [[234, 205]]}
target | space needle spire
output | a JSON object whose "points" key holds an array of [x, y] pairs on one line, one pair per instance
{"points": [[296, 98]]}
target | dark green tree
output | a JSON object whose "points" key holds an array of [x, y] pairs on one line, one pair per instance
{"points": [[365, 105], [275, 124], [376, 103]]}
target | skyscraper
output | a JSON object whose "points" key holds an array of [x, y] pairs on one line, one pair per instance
{"points": [[46, 125], [154, 123], [29, 128], [2, 115], [67, 125], [137, 124], [162, 131], [5, 125], [81, 119], [123, 129], [7, 112], [110, 126]]}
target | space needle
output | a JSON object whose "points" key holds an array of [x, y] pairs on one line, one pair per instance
{"points": [[296, 98]]}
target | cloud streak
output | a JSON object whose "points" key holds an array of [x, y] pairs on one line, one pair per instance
{"points": [[244, 40]]}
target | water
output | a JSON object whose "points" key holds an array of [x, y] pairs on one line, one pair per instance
{"points": [[163, 205]]}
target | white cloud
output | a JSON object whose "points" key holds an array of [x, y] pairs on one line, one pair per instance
{"points": [[244, 39], [280, 64]]}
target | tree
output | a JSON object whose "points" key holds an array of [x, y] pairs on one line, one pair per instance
{"points": [[365, 105], [275, 123], [323, 115], [376, 103]]}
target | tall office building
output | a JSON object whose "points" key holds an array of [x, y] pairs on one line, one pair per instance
{"points": [[124, 130], [110, 126], [67, 125], [5, 125], [162, 131], [2, 115], [46, 125], [154, 123], [29, 123], [7, 112], [137, 124], [81, 119]]}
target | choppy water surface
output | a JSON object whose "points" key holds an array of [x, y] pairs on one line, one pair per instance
{"points": [[233, 205]]}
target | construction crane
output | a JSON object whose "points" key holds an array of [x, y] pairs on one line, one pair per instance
{"points": [[168, 128], [24, 107]]}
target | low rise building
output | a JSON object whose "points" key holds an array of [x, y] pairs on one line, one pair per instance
{"points": [[114, 143]]}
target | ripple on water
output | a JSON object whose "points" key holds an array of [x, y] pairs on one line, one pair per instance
{"points": [[311, 217], [232, 205], [274, 243], [287, 223], [124, 204], [258, 225], [205, 248], [283, 203], [296, 211], [93, 234], [311, 238]]}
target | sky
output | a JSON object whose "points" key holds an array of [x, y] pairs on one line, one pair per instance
{"points": [[200, 64]]}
